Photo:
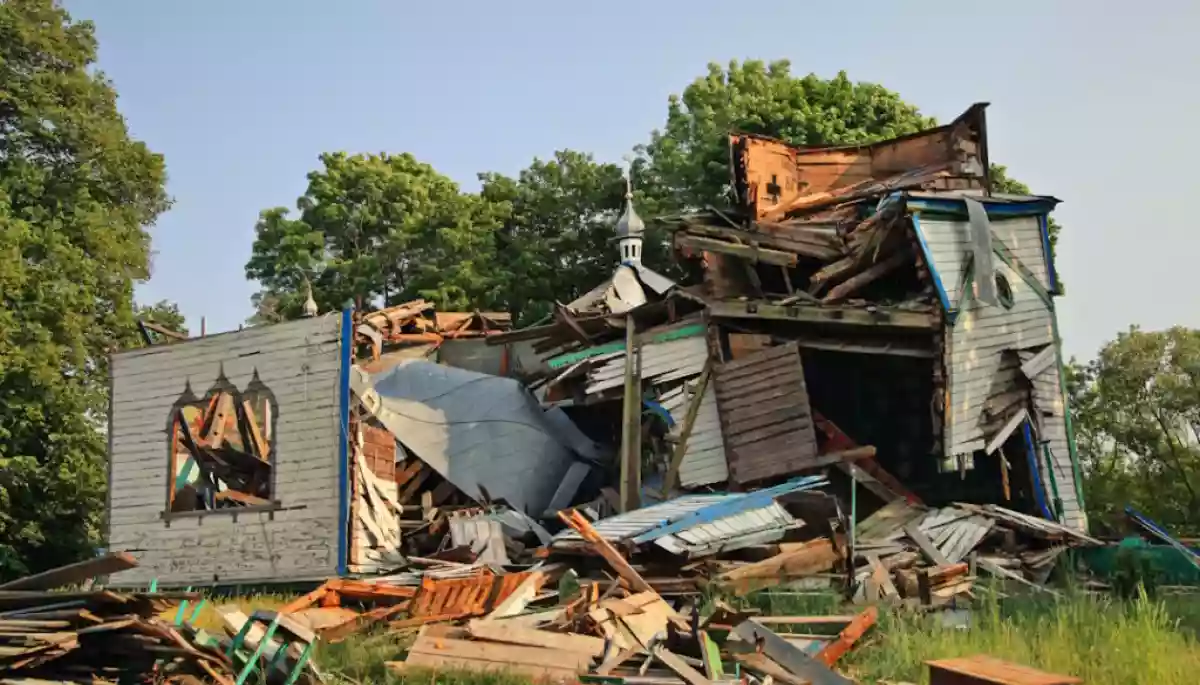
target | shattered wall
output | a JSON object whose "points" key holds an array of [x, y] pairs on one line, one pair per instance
{"points": [[296, 535], [986, 342]]}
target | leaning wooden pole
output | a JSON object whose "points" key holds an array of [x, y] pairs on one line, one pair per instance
{"points": [[631, 471]]}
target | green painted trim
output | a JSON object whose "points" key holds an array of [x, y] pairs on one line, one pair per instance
{"points": [[1056, 497], [1072, 450], [579, 355], [1001, 250]]}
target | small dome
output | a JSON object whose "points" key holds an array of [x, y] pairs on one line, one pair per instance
{"points": [[630, 225]]}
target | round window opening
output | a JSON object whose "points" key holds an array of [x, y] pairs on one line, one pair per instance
{"points": [[1004, 291]]}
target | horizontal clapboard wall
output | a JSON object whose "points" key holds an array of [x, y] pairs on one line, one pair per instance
{"points": [[297, 538]]}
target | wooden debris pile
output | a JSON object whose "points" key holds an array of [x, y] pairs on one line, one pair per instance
{"points": [[416, 323], [909, 553], [623, 628], [53, 632], [222, 452]]}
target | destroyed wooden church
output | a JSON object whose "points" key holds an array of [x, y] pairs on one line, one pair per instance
{"points": [[872, 312]]}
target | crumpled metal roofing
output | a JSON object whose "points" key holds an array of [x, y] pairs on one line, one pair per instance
{"points": [[694, 524]]}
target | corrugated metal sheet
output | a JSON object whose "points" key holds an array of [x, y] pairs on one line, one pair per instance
{"points": [[753, 527], [704, 461], [634, 523], [713, 517], [765, 416]]}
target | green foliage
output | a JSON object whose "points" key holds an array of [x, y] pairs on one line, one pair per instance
{"points": [[556, 225], [76, 194], [162, 313], [687, 162], [1136, 410], [373, 230]]}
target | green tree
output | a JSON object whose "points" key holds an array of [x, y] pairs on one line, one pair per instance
{"points": [[162, 313], [554, 241], [1136, 409], [373, 230], [76, 194]]}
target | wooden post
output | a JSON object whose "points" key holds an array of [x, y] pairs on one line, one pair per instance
{"points": [[631, 461]]}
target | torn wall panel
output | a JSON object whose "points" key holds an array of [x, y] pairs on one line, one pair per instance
{"points": [[478, 431], [1050, 408], [765, 415], [772, 177]]}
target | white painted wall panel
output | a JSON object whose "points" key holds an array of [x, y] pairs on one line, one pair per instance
{"points": [[981, 334], [299, 362]]}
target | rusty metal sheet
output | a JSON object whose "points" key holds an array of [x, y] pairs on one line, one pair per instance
{"points": [[772, 176], [765, 415]]}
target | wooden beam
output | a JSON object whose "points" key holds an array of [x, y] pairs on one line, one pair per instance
{"points": [[601, 546], [881, 317], [751, 253], [73, 573]]}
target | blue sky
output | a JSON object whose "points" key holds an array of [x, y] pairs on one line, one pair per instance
{"points": [[1093, 102]]}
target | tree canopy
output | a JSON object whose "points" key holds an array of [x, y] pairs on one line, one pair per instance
{"points": [[1137, 425], [374, 230], [76, 196]]}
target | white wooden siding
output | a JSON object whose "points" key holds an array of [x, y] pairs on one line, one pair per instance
{"points": [[668, 362], [949, 242], [981, 334], [299, 363]]}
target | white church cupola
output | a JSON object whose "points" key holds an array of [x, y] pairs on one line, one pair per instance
{"points": [[630, 229]]}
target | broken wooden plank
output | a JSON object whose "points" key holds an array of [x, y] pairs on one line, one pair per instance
{"points": [[983, 669], [601, 546], [788, 656], [748, 253], [679, 666], [866, 277], [448, 653], [849, 635], [498, 631], [73, 574], [813, 557]]}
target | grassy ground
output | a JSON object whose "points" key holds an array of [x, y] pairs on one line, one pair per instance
{"points": [[1105, 642]]}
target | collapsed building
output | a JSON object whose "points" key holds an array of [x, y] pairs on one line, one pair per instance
{"points": [[874, 312]]}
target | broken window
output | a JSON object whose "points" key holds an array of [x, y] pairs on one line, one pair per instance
{"points": [[222, 448]]}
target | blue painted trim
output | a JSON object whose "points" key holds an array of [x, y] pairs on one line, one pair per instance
{"points": [[753, 500], [1051, 269], [957, 206], [344, 443], [933, 271], [658, 410], [1039, 488]]}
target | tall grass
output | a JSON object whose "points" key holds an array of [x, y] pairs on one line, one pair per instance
{"points": [[1102, 641]]}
